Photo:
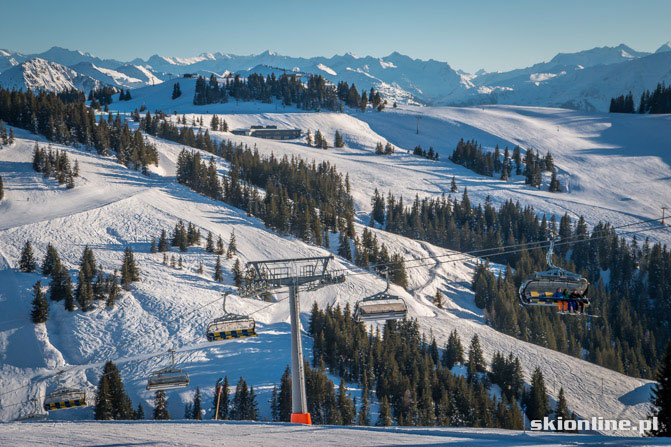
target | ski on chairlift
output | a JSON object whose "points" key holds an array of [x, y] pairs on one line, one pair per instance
{"points": [[381, 306], [168, 378]]}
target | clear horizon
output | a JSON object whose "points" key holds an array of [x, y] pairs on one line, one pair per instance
{"points": [[488, 35]]}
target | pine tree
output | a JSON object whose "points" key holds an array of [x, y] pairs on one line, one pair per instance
{"points": [[51, 261], [188, 410], [2, 189], [152, 247], [238, 274], [364, 409], [138, 414], [438, 299], [661, 396], [284, 397], [476, 361], [218, 274], [163, 242], [27, 262], [338, 140], [196, 405], [103, 410], [308, 138], [129, 271], [232, 246], [176, 92], [537, 399], [209, 244], [384, 419], [160, 406], [562, 407], [453, 185], [220, 246], [345, 405], [40, 312]]}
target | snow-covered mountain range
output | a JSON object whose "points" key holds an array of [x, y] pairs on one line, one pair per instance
{"points": [[585, 80]]}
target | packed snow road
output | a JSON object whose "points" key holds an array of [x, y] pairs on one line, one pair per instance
{"points": [[252, 434]]}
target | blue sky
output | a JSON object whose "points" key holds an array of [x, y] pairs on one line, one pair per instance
{"points": [[495, 35]]}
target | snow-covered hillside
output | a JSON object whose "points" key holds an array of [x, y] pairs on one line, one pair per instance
{"points": [[113, 207], [40, 74]]}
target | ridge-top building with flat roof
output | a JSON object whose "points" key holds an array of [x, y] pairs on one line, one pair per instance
{"points": [[269, 132]]}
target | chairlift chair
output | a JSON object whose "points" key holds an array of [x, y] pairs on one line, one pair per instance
{"points": [[539, 288], [34, 412], [230, 326], [381, 306], [168, 378], [64, 398]]}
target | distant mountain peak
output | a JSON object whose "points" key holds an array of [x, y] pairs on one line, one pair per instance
{"points": [[664, 48]]}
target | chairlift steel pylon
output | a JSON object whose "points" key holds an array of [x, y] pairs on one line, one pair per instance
{"points": [[230, 326], [381, 306], [168, 378], [64, 398], [540, 288]]}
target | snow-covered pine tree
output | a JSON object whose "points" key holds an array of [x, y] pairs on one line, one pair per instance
{"points": [[220, 246]]}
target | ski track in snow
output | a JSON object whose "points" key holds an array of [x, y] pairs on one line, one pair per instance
{"points": [[112, 207]]}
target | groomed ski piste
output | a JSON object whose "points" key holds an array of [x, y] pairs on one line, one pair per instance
{"points": [[610, 173]]}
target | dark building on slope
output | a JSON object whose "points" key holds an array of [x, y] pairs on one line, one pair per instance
{"points": [[269, 132]]}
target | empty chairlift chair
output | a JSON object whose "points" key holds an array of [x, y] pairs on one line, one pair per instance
{"points": [[168, 378], [230, 326], [539, 288], [381, 306], [65, 398]]}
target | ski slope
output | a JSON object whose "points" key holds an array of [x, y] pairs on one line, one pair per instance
{"points": [[190, 433], [112, 207]]}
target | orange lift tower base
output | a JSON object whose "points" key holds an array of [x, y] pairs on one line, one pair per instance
{"points": [[301, 418]]}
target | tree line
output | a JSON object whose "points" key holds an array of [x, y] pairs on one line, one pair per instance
{"points": [[55, 164], [92, 284], [316, 94], [635, 302], [655, 102], [65, 119]]}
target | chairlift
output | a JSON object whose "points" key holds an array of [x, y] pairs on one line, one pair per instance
{"points": [[64, 398], [168, 378], [540, 288], [381, 306], [230, 326]]}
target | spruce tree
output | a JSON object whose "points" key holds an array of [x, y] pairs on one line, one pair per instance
{"points": [[438, 299], [284, 397], [2, 189], [51, 261], [345, 405], [537, 399], [103, 409], [338, 140], [209, 244], [476, 361], [218, 274], [196, 405], [232, 246], [453, 185], [160, 406], [152, 247], [220, 246], [562, 407], [40, 312], [138, 414], [129, 271], [113, 291], [384, 419], [27, 262], [238, 274], [661, 396], [163, 242]]}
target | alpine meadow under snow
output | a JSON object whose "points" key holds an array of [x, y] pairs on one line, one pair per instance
{"points": [[611, 167]]}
